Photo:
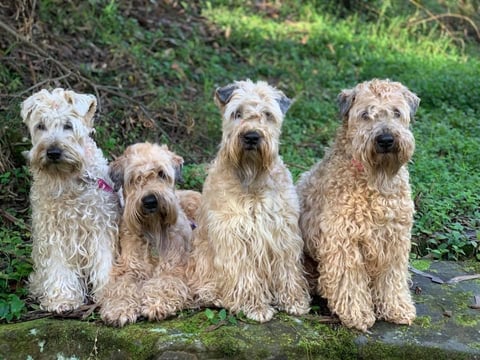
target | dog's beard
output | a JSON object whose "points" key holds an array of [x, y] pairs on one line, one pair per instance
{"points": [[384, 164], [69, 164], [251, 164], [157, 239], [383, 167], [154, 226]]}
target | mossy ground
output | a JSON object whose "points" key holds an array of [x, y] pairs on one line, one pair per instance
{"points": [[446, 328]]}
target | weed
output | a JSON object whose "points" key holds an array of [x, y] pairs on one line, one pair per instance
{"points": [[14, 270], [11, 307], [221, 317], [193, 176]]}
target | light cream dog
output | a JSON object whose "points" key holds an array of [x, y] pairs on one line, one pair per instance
{"points": [[74, 210], [357, 209], [149, 278], [247, 248]]}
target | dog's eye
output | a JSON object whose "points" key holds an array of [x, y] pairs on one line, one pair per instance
{"points": [[237, 115], [365, 115], [396, 113], [268, 115], [41, 127], [162, 175], [67, 126]]}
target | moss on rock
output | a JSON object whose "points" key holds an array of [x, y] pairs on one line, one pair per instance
{"points": [[446, 328]]}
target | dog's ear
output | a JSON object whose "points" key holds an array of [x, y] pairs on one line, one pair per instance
{"points": [[84, 105], [178, 166], [345, 100], [116, 172], [284, 102], [413, 101], [224, 94], [29, 105]]}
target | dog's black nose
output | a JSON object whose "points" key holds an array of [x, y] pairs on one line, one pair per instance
{"points": [[54, 153], [251, 138], [149, 203], [385, 142]]}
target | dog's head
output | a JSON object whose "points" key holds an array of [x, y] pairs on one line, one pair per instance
{"points": [[252, 114], [376, 124], [146, 174], [59, 123]]}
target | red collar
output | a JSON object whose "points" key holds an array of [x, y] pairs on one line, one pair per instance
{"points": [[357, 165]]}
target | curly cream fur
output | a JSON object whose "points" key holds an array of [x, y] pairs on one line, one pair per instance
{"points": [[149, 277], [74, 221], [357, 210], [247, 249]]}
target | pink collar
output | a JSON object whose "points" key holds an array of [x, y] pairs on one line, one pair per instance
{"points": [[357, 165], [102, 184]]}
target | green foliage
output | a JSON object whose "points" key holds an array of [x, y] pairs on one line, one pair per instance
{"points": [[445, 183], [221, 317], [11, 307], [14, 269], [193, 176]]}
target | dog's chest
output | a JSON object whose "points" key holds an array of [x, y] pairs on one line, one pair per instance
{"points": [[76, 211], [249, 215], [265, 206]]}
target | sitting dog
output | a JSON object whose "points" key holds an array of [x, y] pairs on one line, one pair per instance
{"points": [[247, 253], [148, 278], [357, 209], [74, 210]]}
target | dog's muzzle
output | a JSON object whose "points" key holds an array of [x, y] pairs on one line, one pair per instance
{"points": [[384, 143], [149, 204], [251, 140], [54, 153]]}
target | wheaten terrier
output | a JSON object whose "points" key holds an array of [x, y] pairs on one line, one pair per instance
{"points": [[74, 210], [357, 210], [248, 247], [148, 277]]}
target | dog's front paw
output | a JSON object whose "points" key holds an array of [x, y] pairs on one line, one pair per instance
{"points": [[298, 308], [156, 312], [119, 317], [61, 307], [260, 314], [361, 320], [402, 313]]}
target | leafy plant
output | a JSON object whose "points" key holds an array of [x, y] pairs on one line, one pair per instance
{"points": [[14, 269], [221, 317], [193, 177], [11, 307]]}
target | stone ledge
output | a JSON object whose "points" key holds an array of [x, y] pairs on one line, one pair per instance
{"points": [[446, 328]]}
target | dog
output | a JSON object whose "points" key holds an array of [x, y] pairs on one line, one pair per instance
{"points": [[357, 209], [74, 210], [248, 248], [149, 276]]}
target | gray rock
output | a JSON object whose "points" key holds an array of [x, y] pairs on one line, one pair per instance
{"points": [[446, 328]]}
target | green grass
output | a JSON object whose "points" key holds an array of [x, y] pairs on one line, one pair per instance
{"points": [[167, 71]]}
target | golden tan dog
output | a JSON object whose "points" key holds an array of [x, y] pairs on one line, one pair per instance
{"points": [[248, 248], [149, 276], [357, 210]]}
